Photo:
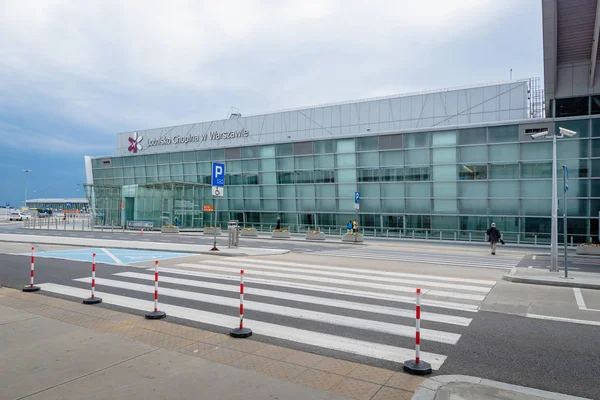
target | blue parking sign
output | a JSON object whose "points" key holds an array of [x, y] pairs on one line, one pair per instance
{"points": [[218, 174], [356, 197]]}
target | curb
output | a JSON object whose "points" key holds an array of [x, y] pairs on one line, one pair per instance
{"points": [[429, 388], [515, 279]]}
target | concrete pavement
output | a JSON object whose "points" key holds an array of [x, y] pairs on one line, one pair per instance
{"points": [[539, 276]]}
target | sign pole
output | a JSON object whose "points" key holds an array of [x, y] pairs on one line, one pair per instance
{"points": [[566, 187], [215, 226]]}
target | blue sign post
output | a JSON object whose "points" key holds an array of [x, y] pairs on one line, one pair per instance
{"points": [[218, 182], [7, 204], [357, 197], [565, 233]]}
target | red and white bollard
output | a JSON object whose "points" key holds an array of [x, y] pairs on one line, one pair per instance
{"points": [[156, 314], [241, 332], [31, 287], [93, 299], [417, 366]]}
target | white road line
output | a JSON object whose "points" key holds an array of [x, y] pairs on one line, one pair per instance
{"points": [[579, 299], [534, 257], [112, 256], [323, 340], [370, 272], [429, 255], [423, 261], [325, 289], [399, 312], [309, 315], [306, 277], [573, 321], [417, 283]]}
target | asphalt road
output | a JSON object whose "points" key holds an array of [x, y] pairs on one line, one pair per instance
{"points": [[547, 355]]}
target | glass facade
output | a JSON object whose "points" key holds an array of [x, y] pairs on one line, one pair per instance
{"points": [[443, 183]]}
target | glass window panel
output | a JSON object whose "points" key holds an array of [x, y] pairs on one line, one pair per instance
{"points": [[572, 148], [368, 159], [536, 151], [346, 204], [474, 154], [252, 178], [444, 156], [285, 164], [572, 106], [392, 205], [252, 204], [327, 161], [287, 191], [369, 190], [305, 191], [416, 157], [163, 172], [536, 188], [345, 146], [368, 175], [468, 206], [267, 164], [325, 190], [542, 207], [416, 140], [235, 192], [504, 152], [217, 155], [418, 190], [303, 148], [252, 192], [446, 138], [387, 142], [500, 134], [371, 205], [596, 148], [162, 159], [473, 189], [250, 165], [504, 189], [504, 171], [118, 172], [418, 206], [345, 160], [233, 167], [189, 156], [367, 143], [596, 168], [445, 190], [304, 177], [445, 206], [346, 191], [577, 168], [266, 151], [151, 159], [472, 172], [576, 208], [324, 146], [176, 169], [269, 205], [596, 127], [233, 153], [472, 136], [176, 157], [392, 190], [327, 204], [139, 172], [285, 177], [139, 160], [204, 168], [117, 161], [233, 179], [444, 173], [305, 162], [504, 207], [345, 175], [581, 126], [393, 174], [536, 170], [203, 155], [150, 171], [324, 176], [250, 152], [268, 191], [389, 158], [189, 169], [416, 174], [286, 149]]}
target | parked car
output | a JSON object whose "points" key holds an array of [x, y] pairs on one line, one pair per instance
{"points": [[18, 216]]}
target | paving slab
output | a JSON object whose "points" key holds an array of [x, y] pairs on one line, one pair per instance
{"points": [[539, 276]]}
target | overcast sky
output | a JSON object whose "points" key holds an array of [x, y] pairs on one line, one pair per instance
{"points": [[74, 73]]}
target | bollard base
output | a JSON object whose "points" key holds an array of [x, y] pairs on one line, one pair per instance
{"points": [[240, 333], [92, 300], [422, 368], [156, 315], [31, 288], [214, 249]]}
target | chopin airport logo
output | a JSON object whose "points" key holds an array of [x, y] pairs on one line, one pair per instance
{"points": [[135, 143]]}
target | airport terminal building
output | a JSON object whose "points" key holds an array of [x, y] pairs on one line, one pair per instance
{"points": [[439, 163]]}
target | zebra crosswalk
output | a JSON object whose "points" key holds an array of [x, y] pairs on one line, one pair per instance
{"points": [[362, 312], [440, 258]]}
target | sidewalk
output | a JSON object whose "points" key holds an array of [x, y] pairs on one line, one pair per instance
{"points": [[59, 349], [132, 244], [538, 276]]}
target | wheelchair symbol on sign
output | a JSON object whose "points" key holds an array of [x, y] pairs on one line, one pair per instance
{"points": [[217, 192]]}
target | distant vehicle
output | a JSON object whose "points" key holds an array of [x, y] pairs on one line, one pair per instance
{"points": [[18, 216], [44, 214]]}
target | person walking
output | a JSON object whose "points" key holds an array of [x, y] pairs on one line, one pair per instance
{"points": [[349, 226], [278, 224], [494, 236], [355, 226]]}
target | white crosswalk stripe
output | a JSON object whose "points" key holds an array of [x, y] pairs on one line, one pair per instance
{"points": [[356, 311], [452, 259]]}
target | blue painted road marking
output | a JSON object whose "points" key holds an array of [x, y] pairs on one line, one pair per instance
{"points": [[111, 256]]}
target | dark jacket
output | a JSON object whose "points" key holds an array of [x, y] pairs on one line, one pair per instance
{"points": [[278, 225], [493, 234]]}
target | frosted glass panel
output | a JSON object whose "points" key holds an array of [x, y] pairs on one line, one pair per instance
{"points": [[536, 188], [326, 162], [391, 158], [444, 156], [447, 138], [368, 159], [504, 189], [445, 190], [474, 154], [346, 160], [345, 175], [536, 151], [504, 152], [416, 157], [444, 173], [392, 190], [473, 189], [445, 206], [418, 190], [369, 190]]}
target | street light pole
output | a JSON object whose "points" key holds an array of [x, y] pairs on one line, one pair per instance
{"points": [[554, 227], [27, 171]]}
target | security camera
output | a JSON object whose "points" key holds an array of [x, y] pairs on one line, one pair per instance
{"points": [[567, 132], [539, 135]]}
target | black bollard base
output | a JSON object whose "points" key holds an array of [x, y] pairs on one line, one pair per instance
{"points": [[240, 333], [94, 300], [422, 368], [156, 315], [31, 288]]}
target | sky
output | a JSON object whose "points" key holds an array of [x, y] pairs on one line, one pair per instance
{"points": [[74, 73]]}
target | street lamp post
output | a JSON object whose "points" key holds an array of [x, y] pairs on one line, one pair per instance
{"points": [[27, 171], [554, 227]]}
